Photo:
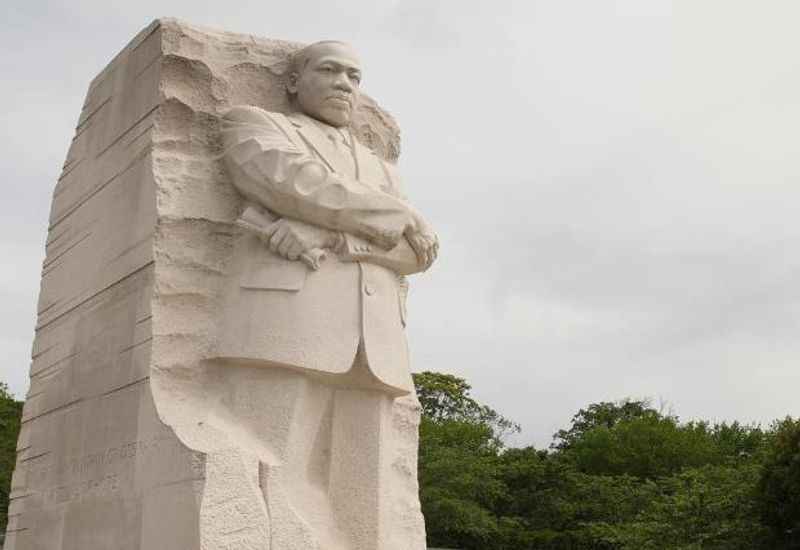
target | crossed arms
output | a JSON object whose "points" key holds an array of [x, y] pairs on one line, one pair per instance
{"points": [[320, 209]]}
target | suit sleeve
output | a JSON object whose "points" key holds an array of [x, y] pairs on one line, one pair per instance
{"points": [[401, 259], [267, 168]]}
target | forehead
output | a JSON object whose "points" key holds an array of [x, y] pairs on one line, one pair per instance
{"points": [[335, 52]]}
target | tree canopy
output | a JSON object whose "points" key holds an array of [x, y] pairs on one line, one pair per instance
{"points": [[10, 414], [622, 475]]}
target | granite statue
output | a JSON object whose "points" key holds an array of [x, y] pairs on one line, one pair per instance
{"points": [[328, 237], [220, 358]]}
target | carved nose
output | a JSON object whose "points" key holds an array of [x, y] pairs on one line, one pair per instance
{"points": [[342, 83]]}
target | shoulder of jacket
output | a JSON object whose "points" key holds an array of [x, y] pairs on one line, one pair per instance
{"points": [[251, 114]]}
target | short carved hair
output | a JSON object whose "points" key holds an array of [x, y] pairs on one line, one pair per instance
{"points": [[301, 57]]}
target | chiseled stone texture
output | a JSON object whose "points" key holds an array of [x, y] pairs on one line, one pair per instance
{"points": [[133, 436]]}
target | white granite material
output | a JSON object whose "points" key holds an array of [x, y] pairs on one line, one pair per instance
{"points": [[160, 415]]}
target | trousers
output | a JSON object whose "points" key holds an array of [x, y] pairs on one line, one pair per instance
{"points": [[327, 455]]}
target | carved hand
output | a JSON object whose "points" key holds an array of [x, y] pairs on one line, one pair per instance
{"points": [[424, 242], [291, 238]]}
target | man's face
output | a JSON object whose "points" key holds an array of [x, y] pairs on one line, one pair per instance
{"points": [[327, 86]]}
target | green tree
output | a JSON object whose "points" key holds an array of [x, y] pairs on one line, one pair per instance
{"points": [[601, 415], [737, 441], [10, 415], [706, 508], [622, 476], [460, 442], [446, 397], [551, 505], [647, 447], [779, 484], [459, 486]]}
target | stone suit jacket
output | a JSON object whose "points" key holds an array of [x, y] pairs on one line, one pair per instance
{"points": [[278, 312]]}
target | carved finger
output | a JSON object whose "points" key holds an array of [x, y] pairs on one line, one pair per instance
{"points": [[426, 249], [286, 244], [294, 251], [270, 230], [278, 237], [418, 248], [265, 233]]}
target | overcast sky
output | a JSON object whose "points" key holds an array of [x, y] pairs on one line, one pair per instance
{"points": [[615, 184]]}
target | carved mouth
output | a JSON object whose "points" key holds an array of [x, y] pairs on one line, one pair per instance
{"points": [[340, 100]]}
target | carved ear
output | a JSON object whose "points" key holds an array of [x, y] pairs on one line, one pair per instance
{"points": [[291, 82]]}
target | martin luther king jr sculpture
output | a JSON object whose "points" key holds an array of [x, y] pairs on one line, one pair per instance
{"points": [[219, 360], [326, 240]]}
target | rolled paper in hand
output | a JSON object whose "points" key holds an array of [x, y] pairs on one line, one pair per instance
{"points": [[258, 221]]}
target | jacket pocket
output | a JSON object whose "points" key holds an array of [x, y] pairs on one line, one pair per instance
{"points": [[271, 272]]}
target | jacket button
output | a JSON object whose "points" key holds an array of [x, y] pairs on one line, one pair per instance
{"points": [[368, 290]]}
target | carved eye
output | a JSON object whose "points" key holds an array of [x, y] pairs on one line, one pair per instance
{"points": [[355, 77]]}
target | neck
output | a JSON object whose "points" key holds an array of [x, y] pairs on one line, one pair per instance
{"points": [[315, 120]]}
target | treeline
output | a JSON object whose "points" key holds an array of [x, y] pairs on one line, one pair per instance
{"points": [[622, 476], [10, 415]]}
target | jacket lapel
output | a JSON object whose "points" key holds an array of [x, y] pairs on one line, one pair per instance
{"points": [[371, 168], [319, 143]]}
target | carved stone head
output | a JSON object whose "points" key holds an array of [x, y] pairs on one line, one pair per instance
{"points": [[324, 82]]}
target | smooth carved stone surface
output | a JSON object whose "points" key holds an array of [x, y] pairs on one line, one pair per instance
{"points": [[147, 426]]}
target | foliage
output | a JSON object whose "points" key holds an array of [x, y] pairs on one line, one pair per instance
{"points": [[622, 476], [10, 414], [648, 446], [601, 415], [445, 397], [460, 441], [779, 485], [710, 507], [555, 506]]}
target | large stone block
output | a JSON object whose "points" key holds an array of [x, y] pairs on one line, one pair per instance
{"points": [[134, 435]]}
